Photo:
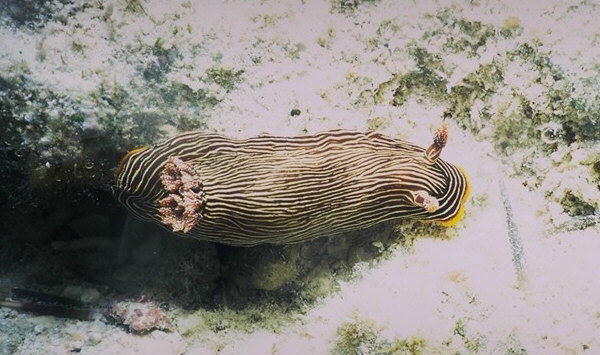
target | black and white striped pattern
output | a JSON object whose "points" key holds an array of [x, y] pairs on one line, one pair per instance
{"points": [[290, 189]]}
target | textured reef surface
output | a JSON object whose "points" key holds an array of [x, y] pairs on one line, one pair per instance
{"points": [[82, 83]]}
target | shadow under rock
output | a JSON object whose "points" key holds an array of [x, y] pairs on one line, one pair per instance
{"points": [[146, 260], [292, 276]]}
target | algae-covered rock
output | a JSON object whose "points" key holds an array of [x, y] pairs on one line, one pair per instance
{"points": [[362, 337], [376, 123], [13, 328], [275, 275], [69, 112], [464, 36], [347, 6], [576, 206], [504, 88], [473, 344], [359, 337]]}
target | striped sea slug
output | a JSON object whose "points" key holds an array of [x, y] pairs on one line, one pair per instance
{"points": [[284, 190]]}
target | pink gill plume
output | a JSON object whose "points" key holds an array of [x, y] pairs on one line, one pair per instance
{"points": [[182, 208]]}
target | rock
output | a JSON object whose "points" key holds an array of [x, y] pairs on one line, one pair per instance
{"points": [[83, 294], [94, 338], [273, 275], [140, 317], [90, 295]]}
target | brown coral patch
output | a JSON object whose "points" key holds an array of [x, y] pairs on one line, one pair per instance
{"points": [[182, 208]]}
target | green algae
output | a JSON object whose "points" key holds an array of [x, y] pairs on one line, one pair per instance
{"points": [[376, 123], [163, 59], [479, 85], [476, 35], [512, 345], [120, 115], [425, 77], [410, 346], [408, 232], [362, 337], [425, 80], [472, 344], [135, 7], [513, 118], [227, 78], [463, 36], [111, 98], [78, 47], [182, 94], [459, 328], [358, 337], [595, 168], [273, 276], [293, 50], [469, 100], [349, 6], [579, 119], [511, 27], [518, 350], [387, 26], [222, 321], [575, 205], [36, 13], [41, 125], [327, 39]]}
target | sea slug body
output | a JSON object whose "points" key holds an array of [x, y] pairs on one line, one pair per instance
{"points": [[284, 190]]}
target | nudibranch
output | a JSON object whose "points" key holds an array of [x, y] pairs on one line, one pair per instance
{"points": [[284, 190]]}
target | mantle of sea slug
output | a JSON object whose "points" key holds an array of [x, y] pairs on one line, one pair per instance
{"points": [[285, 190]]}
